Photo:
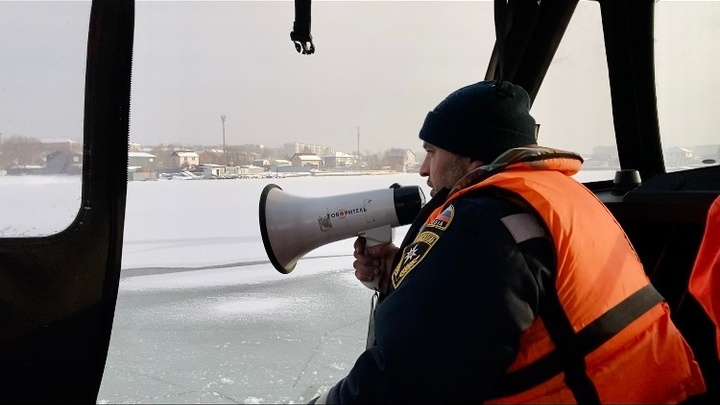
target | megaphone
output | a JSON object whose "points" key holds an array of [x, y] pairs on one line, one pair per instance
{"points": [[291, 226]]}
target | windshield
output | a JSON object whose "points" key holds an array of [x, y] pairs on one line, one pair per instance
{"points": [[223, 105], [42, 82], [687, 82]]}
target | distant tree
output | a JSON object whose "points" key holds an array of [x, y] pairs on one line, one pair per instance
{"points": [[373, 160], [234, 154], [163, 153], [266, 153], [212, 157], [21, 151]]}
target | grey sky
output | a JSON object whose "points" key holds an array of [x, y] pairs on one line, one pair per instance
{"points": [[379, 65], [373, 68], [42, 69]]}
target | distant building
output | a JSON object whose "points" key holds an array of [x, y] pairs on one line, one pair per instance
{"points": [[280, 165], [213, 171], [62, 162], [142, 160], [184, 158], [142, 175], [679, 156], [340, 161], [306, 160], [251, 169], [290, 149], [401, 160], [602, 158], [707, 151], [262, 163], [142, 166]]}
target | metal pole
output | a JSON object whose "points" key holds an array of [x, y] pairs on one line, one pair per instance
{"points": [[358, 134], [222, 118]]}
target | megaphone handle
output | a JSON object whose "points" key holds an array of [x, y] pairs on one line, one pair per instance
{"points": [[373, 285], [376, 236]]}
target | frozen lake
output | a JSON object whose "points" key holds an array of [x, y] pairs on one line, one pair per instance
{"points": [[202, 316]]}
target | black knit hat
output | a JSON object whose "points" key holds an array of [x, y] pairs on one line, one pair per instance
{"points": [[481, 121]]}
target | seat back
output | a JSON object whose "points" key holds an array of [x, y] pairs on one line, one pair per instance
{"points": [[703, 305], [704, 283]]}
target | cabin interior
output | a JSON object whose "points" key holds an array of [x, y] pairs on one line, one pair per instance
{"points": [[58, 292]]}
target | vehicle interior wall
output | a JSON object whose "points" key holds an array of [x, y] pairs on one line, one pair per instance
{"points": [[58, 293], [665, 220], [665, 216]]}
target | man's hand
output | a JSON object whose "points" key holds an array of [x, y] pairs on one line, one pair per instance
{"points": [[374, 261]]}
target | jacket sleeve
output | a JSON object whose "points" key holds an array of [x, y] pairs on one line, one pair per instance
{"points": [[451, 327]]}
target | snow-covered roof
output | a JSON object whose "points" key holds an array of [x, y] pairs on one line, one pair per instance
{"points": [[185, 153], [340, 155], [59, 140], [141, 154], [308, 156]]}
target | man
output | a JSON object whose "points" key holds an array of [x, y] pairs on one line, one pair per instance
{"points": [[514, 284]]}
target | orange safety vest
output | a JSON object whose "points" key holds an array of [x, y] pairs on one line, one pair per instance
{"points": [[704, 283], [632, 354]]}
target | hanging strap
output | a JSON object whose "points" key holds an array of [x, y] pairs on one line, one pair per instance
{"points": [[370, 342], [500, 32], [300, 34]]}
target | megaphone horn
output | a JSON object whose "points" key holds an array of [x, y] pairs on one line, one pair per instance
{"points": [[291, 226]]}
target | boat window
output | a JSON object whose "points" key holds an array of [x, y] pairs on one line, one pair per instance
{"points": [[573, 105], [224, 105], [42, 81], [687, 56]]}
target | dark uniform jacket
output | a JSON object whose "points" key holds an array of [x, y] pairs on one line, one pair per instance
{"points": [[452, 327]]}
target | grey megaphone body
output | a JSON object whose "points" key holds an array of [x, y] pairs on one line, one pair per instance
{"points": [[291, 226]]}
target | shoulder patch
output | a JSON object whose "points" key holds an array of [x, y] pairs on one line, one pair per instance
{"points": [[412, 255], [443, 220]]}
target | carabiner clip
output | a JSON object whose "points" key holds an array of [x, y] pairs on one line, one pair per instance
{"points": [[303, 44]]}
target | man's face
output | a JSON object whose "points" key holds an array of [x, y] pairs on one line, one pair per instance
{"points": [[443, 169]]}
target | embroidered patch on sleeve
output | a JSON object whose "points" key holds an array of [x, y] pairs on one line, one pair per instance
{"points": [[443, 220], [413, 254]]}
